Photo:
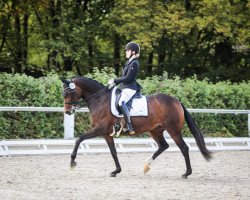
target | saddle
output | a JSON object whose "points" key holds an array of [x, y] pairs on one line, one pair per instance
{"points": [[118, 94], [138, 105]]}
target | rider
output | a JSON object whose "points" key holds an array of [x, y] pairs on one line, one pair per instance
{"points": [[129, 86]]}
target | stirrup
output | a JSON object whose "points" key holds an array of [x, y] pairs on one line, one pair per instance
{"points": [[132, 132], [130, 129]]}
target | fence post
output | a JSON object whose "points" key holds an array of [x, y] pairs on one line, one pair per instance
{"points": [[248, 125], [69, 122]]}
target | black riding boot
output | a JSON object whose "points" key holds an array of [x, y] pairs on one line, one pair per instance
{"points": [[126, 115]]}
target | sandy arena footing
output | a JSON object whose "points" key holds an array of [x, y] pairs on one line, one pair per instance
{"points": [[227, 176]]}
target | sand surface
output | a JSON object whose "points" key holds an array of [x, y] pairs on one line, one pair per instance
{"points": [[227, 176]]}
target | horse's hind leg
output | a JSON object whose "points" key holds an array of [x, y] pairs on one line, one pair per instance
{"points": [[185, 152], [157, 135]]}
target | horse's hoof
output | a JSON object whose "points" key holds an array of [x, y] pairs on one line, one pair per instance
{"points": [[184, 176], [112, 174], [73, 165], [146, 169]]}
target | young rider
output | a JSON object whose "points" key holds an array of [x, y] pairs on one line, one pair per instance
{"points": [[129, 86]]}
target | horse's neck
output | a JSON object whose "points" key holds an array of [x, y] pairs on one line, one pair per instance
{"points": [[90, 90], [96, 103], [93, 93]]}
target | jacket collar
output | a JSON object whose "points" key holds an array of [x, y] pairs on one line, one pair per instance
{"points": [[129, 61]]}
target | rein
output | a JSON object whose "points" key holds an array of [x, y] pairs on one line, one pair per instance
{"points": [[94, 95]]}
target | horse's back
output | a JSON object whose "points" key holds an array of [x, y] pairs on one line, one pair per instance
{"points": [[163, 99], [164, 105]]}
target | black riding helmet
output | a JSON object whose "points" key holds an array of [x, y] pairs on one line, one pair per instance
{"points": [[133, 47]]}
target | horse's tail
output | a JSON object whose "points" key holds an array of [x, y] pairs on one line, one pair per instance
{"points": [[197, 135]]}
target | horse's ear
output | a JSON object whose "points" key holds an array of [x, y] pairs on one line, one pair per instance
{"points": [[62, 79], [65, 81]]}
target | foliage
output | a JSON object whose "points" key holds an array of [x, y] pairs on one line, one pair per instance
{"points": [[210, 38], [22, 90]]}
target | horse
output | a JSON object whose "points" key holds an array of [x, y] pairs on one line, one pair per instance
{"points": [[164, 113]]}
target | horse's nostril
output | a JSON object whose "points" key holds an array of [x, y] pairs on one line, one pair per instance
{"points": [[68, 112]]}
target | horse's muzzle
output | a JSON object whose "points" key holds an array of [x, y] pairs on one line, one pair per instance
{"points": [[69, 112]]}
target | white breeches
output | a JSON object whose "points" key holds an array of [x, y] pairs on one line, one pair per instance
{"points": [[126, 95]]}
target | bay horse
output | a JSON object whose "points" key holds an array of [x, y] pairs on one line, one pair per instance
{"points": [[164, 113]]}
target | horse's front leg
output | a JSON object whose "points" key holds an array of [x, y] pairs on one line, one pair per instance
{"points": [[111, 144], [90, 134]]}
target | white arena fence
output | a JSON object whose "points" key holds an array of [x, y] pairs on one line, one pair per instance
{"points": [[65, 146], [62, 146]]}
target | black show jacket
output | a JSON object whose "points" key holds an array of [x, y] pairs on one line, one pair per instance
{"points": [[129, 74]]}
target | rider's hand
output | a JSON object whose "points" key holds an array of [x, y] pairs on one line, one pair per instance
{"points": [[111, 83]]}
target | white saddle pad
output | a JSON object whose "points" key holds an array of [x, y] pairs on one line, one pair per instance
{"points": [[139, 106]]}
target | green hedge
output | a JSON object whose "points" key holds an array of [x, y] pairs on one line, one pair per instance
{"points": [[22, 90], [202, 94]]}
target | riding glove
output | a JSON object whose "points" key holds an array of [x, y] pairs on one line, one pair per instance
{"points": [[111, 83]]}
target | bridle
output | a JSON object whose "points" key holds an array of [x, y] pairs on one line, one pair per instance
{"points": [[76, 104]]}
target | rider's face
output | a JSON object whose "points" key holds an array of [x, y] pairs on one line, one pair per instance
{"points": [[128, 53]]}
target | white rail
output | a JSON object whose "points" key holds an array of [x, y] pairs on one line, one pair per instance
{"points": [[60, 109], [60, 146], [69, 119]]}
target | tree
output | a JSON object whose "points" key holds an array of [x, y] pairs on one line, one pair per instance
{"points": [[209, 38]]}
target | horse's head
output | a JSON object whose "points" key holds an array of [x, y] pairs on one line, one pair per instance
{"points": [[72, 95]]}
